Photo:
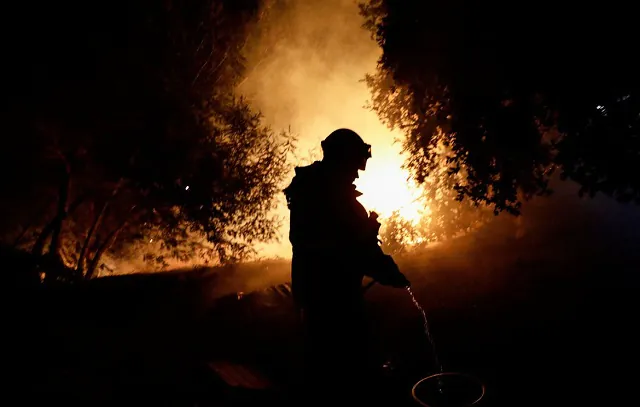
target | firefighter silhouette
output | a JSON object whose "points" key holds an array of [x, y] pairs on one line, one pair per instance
{"points": [[335, 245]]}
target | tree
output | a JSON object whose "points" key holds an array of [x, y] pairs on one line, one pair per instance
{"points": [[519, 90], [443, 216], [131, 132]]}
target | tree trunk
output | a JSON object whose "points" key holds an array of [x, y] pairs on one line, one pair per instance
{"points": [[38, 246], [103, 247], [108, 241], [87, 240], [95, 225]]}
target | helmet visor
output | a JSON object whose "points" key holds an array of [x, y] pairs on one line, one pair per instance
{"points": [[365, 156]]}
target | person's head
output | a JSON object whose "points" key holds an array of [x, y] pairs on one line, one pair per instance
{"points": [[345, 150]]}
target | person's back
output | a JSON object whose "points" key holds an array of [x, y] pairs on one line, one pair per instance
{"points": [[329, 233]]}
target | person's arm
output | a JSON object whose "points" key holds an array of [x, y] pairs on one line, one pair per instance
{"points": [[384, 269], [379, 265], [357, 235]]}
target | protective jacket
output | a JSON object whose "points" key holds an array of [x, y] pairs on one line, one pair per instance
{"points": [[334, 239]]}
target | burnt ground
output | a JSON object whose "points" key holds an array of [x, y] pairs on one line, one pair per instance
{"points": [[545, 314]]}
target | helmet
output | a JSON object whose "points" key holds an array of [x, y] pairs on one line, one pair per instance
{"points": [[346, 146]]}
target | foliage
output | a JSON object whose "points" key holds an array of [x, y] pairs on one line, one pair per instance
{"points": [[397, 234], [130, 133], [517, 94], [444, 216]]}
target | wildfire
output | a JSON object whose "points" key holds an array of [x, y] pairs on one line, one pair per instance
{"points": [[312, 89], [386, 188]]}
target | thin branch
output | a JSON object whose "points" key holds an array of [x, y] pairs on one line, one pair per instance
{"points": [[111, 237], [95, 225]]}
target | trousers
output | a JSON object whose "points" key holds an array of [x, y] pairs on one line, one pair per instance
{"points": [[338, 364]]}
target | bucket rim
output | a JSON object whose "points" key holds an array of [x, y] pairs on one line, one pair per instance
{"points": [[472, 378]]}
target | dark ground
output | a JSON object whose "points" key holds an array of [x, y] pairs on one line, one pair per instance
{"points": [[544, 319]]}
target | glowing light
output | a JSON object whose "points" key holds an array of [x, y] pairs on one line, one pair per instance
{"points": [[186, 188], [386, 188]]}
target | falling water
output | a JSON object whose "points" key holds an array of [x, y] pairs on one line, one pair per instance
{"points": [[426, 329]]}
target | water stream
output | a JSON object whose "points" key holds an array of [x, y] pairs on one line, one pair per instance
{"points": [[426, 330], [444, 389]]}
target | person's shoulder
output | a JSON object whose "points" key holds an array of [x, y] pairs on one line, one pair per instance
{"points": [[304, 177], [313, 173], [313, 169]]}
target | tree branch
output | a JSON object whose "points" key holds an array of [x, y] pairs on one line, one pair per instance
{"points": [[95, 225], [108, 241]]}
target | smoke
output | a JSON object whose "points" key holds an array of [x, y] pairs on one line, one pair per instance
{"points": [[309, 77], [307, 61], [308, 64]]}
